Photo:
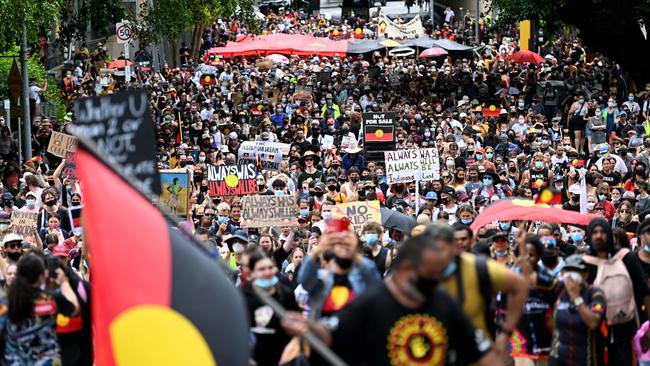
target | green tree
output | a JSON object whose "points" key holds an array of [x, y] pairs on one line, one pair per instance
{"points": [[38, 16], [609, 27], [98, 15]]}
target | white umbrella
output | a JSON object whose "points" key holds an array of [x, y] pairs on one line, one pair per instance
{"points": [[277, 58], [620, 164], [401, 52]]}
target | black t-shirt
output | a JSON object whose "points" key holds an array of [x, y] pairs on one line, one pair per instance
{"points": [[379, 331], [570, 207], [613, 178]]}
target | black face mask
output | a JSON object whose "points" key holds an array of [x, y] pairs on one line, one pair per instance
{"points": [[575, 197], [549, 261], [332, 187], [204, 188], [512, 169], [444, 201], [426, 285], [50, 203], [354, 179], [343, 263], [14, 256], [399, 189], [319, 194]]}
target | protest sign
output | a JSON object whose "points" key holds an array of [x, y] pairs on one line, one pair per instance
{"points": [[378, 134], [24, 224], [120, 126], [232, 180], [268, 154], [389, 29], [70, 166], [429, 164], [74, 213], [303, 93], [325, 77], [402, 166], [327, 142], [268, 211], [175, 190], [61, 143], [358, 213], [346, 141]]}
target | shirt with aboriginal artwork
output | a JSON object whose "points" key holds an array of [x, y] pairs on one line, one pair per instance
{"points": [[377, 330], [574, 344]]}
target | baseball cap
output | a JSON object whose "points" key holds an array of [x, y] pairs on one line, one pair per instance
{"points": [[431, 196], [60, 251], [574, 189], [11, 237]]}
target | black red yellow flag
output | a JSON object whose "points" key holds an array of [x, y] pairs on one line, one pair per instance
{"points": [[549, 197], [157, 299], [379, 133]]}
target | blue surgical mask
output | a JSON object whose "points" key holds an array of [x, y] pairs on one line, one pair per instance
{"points": [[646, 247], [371, 238], [577, 236], [304, 212], [262, 283], [630, 98], [505, 226], [602, 197], [279, 193], [487, 182], [479, 156], [305, 191], [581, 100], [489, 155], [222, 219], [539, 165], [449, 270], [30, 202], [466, 221], [327, 215]]}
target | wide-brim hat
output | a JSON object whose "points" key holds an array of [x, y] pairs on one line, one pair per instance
{"points": [[353, 149], [311, 154], [490, 173], [576, 262]]}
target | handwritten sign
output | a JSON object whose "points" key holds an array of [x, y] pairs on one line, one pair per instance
{"points": [[61, 143], [231, 180], [429, 164], [402, 166], [303, 93], [24, 224], [267, 211], [121, 128], [268, 153], [346, 141], [327, 142], [358, 213], [70, 166]]}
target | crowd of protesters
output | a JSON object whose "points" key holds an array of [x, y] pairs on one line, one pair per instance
{"points": [[529, 293]]}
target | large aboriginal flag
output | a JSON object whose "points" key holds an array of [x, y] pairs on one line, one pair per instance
{"points": [[157, 298], [528, 210], [379, 134]]}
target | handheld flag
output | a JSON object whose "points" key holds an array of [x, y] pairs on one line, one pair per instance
{"points": [[157, 298], [179, 135], [549, 197]]}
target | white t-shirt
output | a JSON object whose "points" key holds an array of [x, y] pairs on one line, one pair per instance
{"points": [[449, 14], [35, 93]]}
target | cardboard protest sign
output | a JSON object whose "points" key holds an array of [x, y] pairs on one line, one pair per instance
{"points": [[327, 142], [402, 166], [24, 224], [70, 166], [429, 164], [121, 128], [325, 77], [358, 213], [346, 141], [264, 64], [61, 143], [268, 154], [175, 190], [271, 96], [378, 134], [268, 211], [74, 213], [303, 93], [232, 180]]}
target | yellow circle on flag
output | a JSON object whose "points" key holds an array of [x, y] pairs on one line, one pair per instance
{"points": [[539, 182], [493, 108], [232, 181], [62, 320], [546, 196], [379, 133], [207, 78], [574, 162], [259, 107], [157, 335], [358, 31], [335, 32]]}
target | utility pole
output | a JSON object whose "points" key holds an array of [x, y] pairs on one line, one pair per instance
{"points": [[477, 28], [27, 125], [433, 16]]}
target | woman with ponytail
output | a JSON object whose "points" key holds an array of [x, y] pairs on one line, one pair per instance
{"points": [[31, 337]]}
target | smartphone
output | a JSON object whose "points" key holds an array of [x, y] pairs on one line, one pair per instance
{"points": [[338, 225]]}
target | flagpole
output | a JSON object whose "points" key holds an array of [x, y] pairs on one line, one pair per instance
{"points": [[172, 219]]}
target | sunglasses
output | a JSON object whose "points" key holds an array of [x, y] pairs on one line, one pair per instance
{"points": [[309, 159], [13, 245]]}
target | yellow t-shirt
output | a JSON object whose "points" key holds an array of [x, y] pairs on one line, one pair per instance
{"points": [[473, 304]]}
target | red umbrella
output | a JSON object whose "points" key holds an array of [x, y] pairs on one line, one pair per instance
{"points": [[433, 52], [119, 64], [527, 56]]}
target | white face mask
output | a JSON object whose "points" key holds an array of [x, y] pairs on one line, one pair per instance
{"points": [[591, 205]]}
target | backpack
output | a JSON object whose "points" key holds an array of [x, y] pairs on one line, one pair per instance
{"points": [[485, 287], [613, 278]]}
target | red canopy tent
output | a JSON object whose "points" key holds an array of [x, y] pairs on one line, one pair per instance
{"points": [[286, 44]]}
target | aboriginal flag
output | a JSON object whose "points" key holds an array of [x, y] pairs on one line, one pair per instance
{"points": [[158, 298], [208, 79], [379, 134], [549, 197]]}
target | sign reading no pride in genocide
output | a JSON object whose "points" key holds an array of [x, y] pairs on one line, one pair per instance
{"points": [[24, 224], [230, 180], [263, 211], [358, 213], [121, 127], [61, 143]]}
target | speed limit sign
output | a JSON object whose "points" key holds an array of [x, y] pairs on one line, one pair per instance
{"points": [[123, 32]]}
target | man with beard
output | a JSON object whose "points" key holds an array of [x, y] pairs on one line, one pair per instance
{"points": [[618, 273], [12, 244]]}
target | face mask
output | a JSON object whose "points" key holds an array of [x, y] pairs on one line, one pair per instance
{"points": [[575, 197], [450, 163], [371, 238], [611, 104], [646, 248], [505, 226], [14, 256], [204, 188], [487, 182], [31, 202], [51, 203], [602, 197], [577, 236], [305, 191], [262, 283], [630, 98], [591, 205], [581, 101], [479, 156], [202, 158], [574, 276], [318, 194], [539, 165], [444, 201], [343, 263], [354, 179], [304, 212], [489, 155], [425, 286], [222, 219], [332, 187], [466, 221], [399, 189], [327, 215], [449, 270], [501, 253], [512, 169]]}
